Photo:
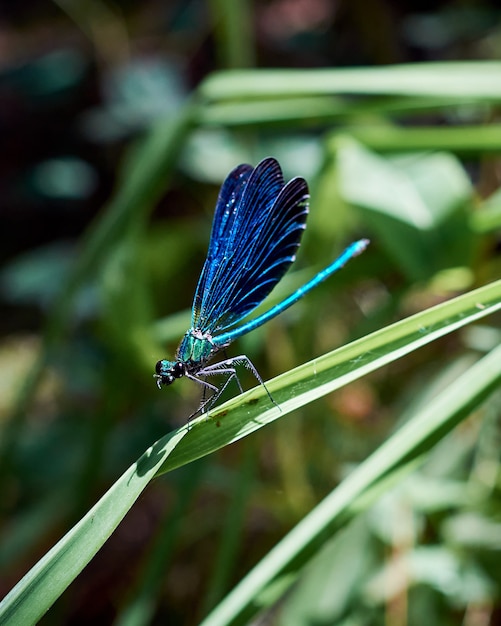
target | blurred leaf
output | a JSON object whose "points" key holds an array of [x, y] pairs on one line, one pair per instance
{"points": [[334, 578], [66, 178], [416, 205], [473, 530], [49, 74], [37, 276], [136, 94], [420, 190], [488, 216], [434, 31], [127, 300], [474, 80], [234, 33], [211, 153], [460, 139], [436, 567]]}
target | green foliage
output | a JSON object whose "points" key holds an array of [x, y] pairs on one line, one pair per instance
{"points": [[244, 415], [397, 471]]}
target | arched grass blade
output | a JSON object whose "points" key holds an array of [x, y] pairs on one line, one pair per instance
{"points": [[47, 580], [269, 580], [246, 413]]}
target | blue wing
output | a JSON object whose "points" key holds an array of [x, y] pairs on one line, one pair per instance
{"points": [[224, 216], [257, 229]]}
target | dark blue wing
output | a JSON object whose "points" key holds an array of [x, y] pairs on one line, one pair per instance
{"points": [[257, 238], [228, 201]]}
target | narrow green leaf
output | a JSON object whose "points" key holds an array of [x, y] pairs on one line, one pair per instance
{"points": [[239, 417], [464, 140], [47, 580], [476, 80], [323, 109], [233, 30], [248, 412], [269, 580]]}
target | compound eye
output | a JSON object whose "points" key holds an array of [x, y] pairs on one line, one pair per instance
{"points": [[178, 370], [159, 366]]}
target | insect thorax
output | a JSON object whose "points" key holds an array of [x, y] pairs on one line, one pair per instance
{"points": [[195, 347]]}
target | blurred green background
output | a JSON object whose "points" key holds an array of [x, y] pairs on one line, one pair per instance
{"points": [[116, 135]]}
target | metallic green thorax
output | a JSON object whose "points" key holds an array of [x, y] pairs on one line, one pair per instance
{"points": [[193, 353], [195, 347]]}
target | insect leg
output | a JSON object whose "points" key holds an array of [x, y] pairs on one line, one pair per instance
{"points": [[228, 366], [246, 362], [207, 403]]}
